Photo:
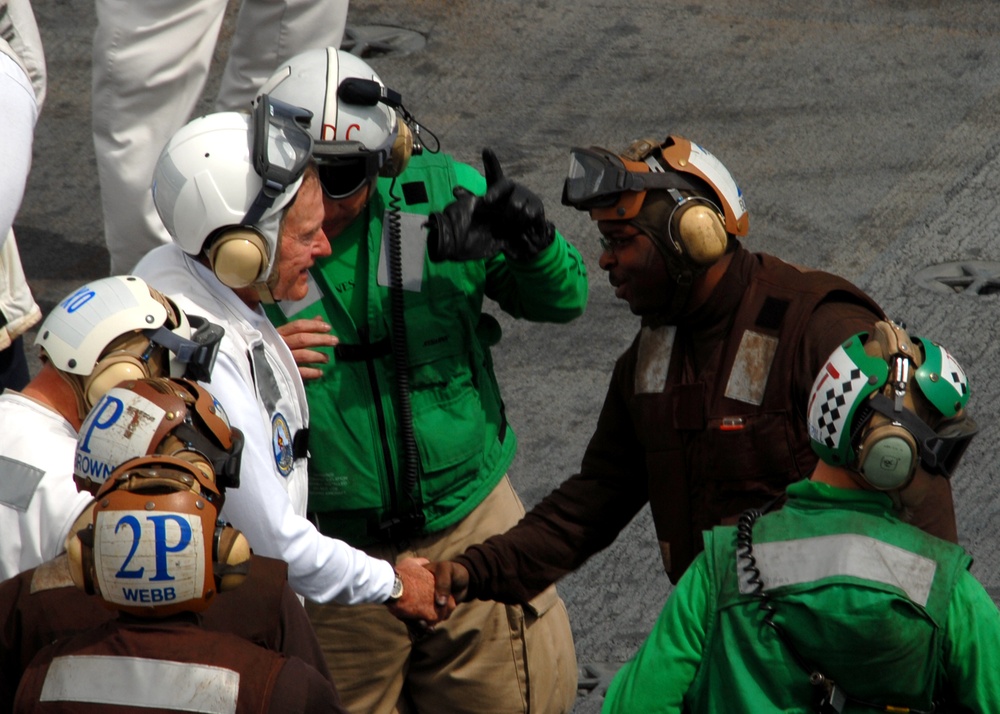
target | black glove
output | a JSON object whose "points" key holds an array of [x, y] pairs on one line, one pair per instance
{"points": [[508, 218]]}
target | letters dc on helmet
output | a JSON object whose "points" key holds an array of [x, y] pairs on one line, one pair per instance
{"points": [[311, 80]]}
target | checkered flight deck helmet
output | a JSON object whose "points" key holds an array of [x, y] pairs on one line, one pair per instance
{"points": [[885, 403]]}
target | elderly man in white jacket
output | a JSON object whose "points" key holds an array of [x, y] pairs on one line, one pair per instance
{"points": [[242, 201]]}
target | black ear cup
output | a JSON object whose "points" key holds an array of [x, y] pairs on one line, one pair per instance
{"points": [[238, 257]]}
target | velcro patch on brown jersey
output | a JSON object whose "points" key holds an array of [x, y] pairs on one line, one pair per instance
{"points": [[656, 345], [751, 368]]}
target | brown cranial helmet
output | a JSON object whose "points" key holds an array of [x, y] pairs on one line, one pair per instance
{"points": [[169, 417], [156, 546]]}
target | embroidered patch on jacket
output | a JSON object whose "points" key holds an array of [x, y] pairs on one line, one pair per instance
{"points": [[655, 348], [281, 443], [751, 368]]}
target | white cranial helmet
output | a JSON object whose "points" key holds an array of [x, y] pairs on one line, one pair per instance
{"points": [[85, 322], [356, 130], [209, 178], [120, 328], [311, 79]]}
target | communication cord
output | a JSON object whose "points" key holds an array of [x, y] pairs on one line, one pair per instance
{"points": [[399, 356]]}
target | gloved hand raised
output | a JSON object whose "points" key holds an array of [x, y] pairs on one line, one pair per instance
{"points": [[508, 218]]}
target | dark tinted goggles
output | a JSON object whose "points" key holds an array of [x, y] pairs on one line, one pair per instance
{"points": [[941, 453], [346, 166], [343, 176], [597, 178]]}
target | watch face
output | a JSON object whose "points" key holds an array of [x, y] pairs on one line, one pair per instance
{"points": [[397, 588]]}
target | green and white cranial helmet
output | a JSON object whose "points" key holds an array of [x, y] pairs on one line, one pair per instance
{"points": [[884, 403]]}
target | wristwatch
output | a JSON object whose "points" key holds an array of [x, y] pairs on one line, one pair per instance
{"points": [[397, 588]]}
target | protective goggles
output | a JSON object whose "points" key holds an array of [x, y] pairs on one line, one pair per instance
{"points": [[282, 148], [610, 187], [197, 354], [941, 449], [345, 167], [225, 463]]}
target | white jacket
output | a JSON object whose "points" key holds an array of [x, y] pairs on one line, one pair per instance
{"points": [[257, 382]]}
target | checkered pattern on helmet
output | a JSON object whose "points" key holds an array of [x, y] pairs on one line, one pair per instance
{"points": [[835, 409], [953, 372], [838, 387]]}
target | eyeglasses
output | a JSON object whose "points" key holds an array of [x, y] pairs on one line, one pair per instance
{"points": [[282, 148], [613, 245]]}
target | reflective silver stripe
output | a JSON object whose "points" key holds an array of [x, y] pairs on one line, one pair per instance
{"points": [[144, 683], [18, 482], [413, 248], [751, 368], [793, 562], [653, 361]]}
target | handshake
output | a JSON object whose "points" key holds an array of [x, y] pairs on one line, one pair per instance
{"points": [[431, 591], [508, 219]]}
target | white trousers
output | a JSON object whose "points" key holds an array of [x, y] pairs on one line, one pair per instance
{"points": [[150, 64]]}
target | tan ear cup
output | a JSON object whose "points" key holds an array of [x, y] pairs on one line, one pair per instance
{"points": [[887, 455], [238, 257], [402, 149], [232, 558], [701, 233], [109, 373]]}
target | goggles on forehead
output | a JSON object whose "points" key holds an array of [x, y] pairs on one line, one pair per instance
{"points": [[345, 166], [940, 449], [198, 353], [282, 148], [611, 187]]}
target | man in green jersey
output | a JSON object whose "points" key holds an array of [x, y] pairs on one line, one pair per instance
{"points": [[833, 603], [409, 444]]}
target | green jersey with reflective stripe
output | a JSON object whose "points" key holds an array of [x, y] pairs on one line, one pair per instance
{"points": [[891, 614], [463, 443]]}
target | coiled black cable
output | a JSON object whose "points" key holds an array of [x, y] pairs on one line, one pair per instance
{"points": [[399, 356]]}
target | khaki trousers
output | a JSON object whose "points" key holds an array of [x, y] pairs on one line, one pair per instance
{"points": [[486, 658]]}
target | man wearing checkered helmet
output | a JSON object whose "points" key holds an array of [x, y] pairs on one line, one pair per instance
{"points": [[834, 603]]}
